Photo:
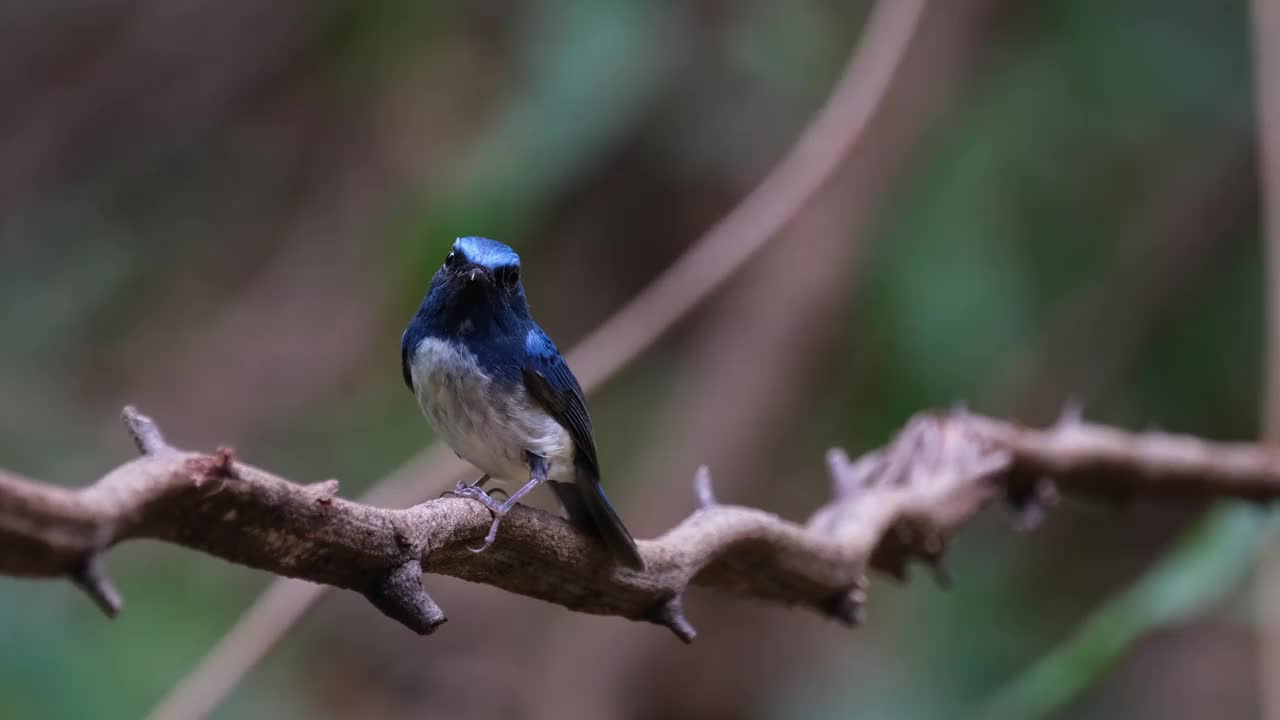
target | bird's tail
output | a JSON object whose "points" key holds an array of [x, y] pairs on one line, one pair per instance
{"points": [[590, 511]]}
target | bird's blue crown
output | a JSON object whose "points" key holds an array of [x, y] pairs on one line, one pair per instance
{"points": [[485, 252]]}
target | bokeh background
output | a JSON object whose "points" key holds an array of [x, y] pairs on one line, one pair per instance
{"points": [[225, 211]]}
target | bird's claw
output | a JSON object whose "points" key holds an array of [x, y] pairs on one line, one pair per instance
{"points": [[463, 488], [493, 534], [499, 510], [475, 491], [471, 492]]}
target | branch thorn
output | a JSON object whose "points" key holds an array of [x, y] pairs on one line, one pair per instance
{"points": [[847, 607], [91, 577], [1072, 415], [941, 575], [219, 466], [671, 615], [702, 488], [144, 431], [1030, 502], [325, 490], [401, 597]]}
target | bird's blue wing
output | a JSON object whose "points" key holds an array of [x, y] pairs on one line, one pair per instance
{"points": [[548, 379], [552, 385], [405, 352]]}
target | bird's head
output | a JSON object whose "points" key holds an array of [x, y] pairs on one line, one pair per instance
{"points": [[476, 262], [477, 290]]}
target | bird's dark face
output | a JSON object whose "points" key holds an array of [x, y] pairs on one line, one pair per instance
{"points": [[477, 291]]}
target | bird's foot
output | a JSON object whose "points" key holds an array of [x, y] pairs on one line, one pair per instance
{"points": [[537, 476], [499, 510], [464, 489], [477, 493]]}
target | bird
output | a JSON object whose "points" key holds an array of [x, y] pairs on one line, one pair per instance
{"points": [[493, 385]]}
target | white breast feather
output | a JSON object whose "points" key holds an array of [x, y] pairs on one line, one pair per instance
{"points": [[487, 425]]}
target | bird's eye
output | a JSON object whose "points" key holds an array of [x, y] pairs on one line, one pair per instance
{"points": [[451, 260], [509, 277]]}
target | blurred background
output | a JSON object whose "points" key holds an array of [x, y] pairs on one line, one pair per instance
{"points": [[225, 211]]}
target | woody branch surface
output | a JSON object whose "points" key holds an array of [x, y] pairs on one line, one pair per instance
{"points": [[889, 507]]}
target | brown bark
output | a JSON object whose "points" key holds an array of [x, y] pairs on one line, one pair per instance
{"points": [[890, 506]]}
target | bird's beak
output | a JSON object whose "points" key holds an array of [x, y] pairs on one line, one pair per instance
{"points": [[475, 274]]}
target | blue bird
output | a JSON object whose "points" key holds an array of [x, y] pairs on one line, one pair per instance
{"points": [[495, 387]]}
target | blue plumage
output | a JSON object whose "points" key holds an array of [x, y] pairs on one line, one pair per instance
{"points": [[495, 387], [487, 253]]}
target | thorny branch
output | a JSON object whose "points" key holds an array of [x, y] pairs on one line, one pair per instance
{"points": [[889, 507]]}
